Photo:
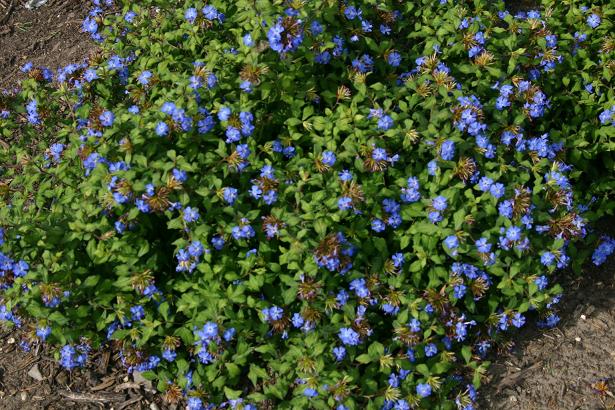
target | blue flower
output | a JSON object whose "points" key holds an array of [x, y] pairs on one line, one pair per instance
{"points": [[593, 20], [224, 113], [230, 195], [309, 392], [414, 325], [208, 332], [363, 64], [339, 353], [196, 249], [297, 320], [328, 158], [385, 122], [394, 59], [27, 67], [505, 208], [218, 242], [43, 332], [344, 203], [345, 175], [194, 403], [483, 246], [398, 259], [459, 291], [518, 320], [232, 135], [246, 86], [385, 30], [169, 355], [190, 15], [423, 390], [603, 251], [247, 40], [130, 16], [284, 41], [439, 203], [435, 216], [162, 129], [138, 313], [513, 233], [447, 150], [551, 40], [360, 288], [191, 214], [550, 321], [90, 75], [210, 12], [179, 175], [547, 259], [378, 225], [316, 28], [89, 25], [323, 57], [431, 350], [20, 269], [351, 12], [497, 190], [229, 334], [542, 282], [120, 227], [379, 154], [607, 116], [452, 242], [432, 167], [348, 336], [106, 118]]}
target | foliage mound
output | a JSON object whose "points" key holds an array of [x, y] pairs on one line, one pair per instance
{"points": [[267, 204]]}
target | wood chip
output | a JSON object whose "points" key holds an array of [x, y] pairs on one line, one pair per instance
{"points": [[128, 403], [127, 385], [110, 382], [35, 373]]}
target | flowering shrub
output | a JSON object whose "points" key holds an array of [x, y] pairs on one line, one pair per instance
{"points": [[306, 205]]}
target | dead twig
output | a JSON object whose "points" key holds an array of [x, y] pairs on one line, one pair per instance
{"points": [[512, 379], [9, 10], [127, 385], [104, 385], [129, 402], [25, 365], [92, 398]]}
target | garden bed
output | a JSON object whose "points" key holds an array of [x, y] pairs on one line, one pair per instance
{"points": [[558, 368]]}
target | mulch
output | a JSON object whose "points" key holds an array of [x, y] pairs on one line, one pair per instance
{"points": [[49, 36], [34, 380]]}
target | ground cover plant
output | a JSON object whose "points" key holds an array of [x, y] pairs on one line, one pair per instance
{"points": [[307, 204]]}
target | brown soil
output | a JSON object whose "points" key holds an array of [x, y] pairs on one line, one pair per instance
{"points": [[560, 368], [48, 36], [34, 380]]}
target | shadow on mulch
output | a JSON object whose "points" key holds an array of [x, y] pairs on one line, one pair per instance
{"points": [[559, 368]]}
